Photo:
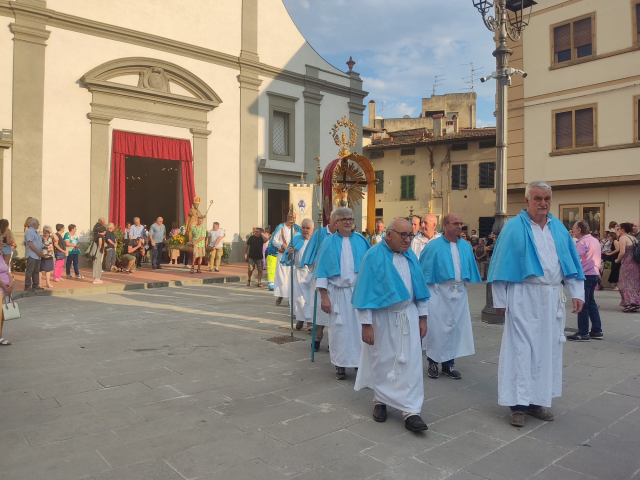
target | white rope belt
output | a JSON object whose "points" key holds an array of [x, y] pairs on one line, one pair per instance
{"points": [[402, 320]]}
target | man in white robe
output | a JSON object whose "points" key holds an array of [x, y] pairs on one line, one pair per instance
{"points": [[281, 239], [391, 301], [379, 233], [302, 274], [309, 260], [447, 263], [533, 255], [335, 272], [427, 233]]}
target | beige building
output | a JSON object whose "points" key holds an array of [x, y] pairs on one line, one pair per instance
{"points": [[447, 169], [460, 105], [235, 80], [574, 120]]}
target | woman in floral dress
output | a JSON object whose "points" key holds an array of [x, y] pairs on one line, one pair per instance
{"points": [[629, 283]]}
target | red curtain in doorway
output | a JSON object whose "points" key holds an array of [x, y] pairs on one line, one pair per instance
{"points": [[150, 146]]}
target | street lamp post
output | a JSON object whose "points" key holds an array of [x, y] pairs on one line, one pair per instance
{"points": [[508, 21]]}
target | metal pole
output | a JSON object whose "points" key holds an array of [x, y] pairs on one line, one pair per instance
{"points": [[502, 54], [315, 292]]}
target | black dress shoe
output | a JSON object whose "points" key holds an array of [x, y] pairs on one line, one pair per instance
{"points": [[299, 325], [278, 300], [316, 345], [415, 424], [341, 373], [380, 413]]}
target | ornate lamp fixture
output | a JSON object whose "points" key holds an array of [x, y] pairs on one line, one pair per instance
{"points": [[516, 12]]}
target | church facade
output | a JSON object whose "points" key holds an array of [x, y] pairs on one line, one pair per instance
{"points": [[97, 100]]}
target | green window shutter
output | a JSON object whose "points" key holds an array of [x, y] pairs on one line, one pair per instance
{"points": [[463, 177], [407, 187], [412, 187], [455, 177]]}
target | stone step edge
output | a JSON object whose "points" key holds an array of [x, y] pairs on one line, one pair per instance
{"points": [[129, 286]]}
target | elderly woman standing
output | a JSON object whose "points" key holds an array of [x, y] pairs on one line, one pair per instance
{"points": [[46, 263], [629, 283], [6, 288]]}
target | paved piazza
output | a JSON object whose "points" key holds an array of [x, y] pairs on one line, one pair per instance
{"points": [[181, 383]]}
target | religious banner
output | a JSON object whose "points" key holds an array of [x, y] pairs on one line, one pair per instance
{"points": [[301, 197]]}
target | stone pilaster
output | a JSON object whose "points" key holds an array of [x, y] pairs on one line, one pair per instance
{"points": [[312, 101], [29, 43], [100, 166], [200, 164], [4, 145]]}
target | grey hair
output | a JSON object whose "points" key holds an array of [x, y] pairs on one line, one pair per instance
{"points": [[379, 221], [537, 184], [392, 223], [110, 225], [332, 217], [33, 221], [307, 221], [342, 212], [136, 218], [583, 227]]}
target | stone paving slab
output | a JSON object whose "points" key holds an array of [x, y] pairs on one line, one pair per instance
{"points": [[181, 383]]}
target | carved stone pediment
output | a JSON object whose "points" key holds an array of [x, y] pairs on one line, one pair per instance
{"points": [[154, 78]]}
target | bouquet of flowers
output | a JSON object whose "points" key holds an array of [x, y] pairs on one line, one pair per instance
{"points": [[19, 264], [178, 239]]}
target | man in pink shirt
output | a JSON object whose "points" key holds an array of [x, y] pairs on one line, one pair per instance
{"points": [[590, 257]]}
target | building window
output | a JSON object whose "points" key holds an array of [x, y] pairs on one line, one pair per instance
{"points": [[573, 40], [592, 213], [280, 139], [375, 154], [380, 181], [281, 127], [488, 144], [487, 175], [458, 177], [575, 128], [379, 213], [459, 146], [407, 187], [636, 111], [635, 16], [407, 151]]}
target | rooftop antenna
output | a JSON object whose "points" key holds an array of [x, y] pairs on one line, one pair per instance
{"points": [[471, 79], [436, 80], [384, 102]]}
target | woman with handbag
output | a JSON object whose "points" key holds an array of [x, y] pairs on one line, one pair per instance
{"points": [[46, 264], [59, 252], [6, 288], [96, 250], [8, 241]]}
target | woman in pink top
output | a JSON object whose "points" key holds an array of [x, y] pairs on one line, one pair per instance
{"points": [[6, 287]]}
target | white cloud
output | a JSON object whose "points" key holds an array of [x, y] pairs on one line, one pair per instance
{"points": [[480, 123]]}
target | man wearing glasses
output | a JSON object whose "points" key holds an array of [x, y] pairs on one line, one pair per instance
{"points": [[427, 233], [336, 270], [391, 301], [447, 263]]}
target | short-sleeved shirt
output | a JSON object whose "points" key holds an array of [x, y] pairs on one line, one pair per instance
{"points": [[197, 232], [34, 237], [109, 236], [73, 239], [255, 247], [214, 236]]}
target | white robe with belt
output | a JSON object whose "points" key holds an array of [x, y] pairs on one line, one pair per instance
{"points": [[322, 318], [282, 282], [345, 335], [449, 335], [392, 366], [530, 366], [301, 287]]}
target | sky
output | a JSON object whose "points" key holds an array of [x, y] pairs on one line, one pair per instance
{"points": [[399, 46]]}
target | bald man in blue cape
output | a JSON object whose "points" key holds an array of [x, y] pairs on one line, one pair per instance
{"points": [[390, 298], [533, 256]]}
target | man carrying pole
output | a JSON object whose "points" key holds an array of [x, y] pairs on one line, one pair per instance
{"points": [[278, 244]]}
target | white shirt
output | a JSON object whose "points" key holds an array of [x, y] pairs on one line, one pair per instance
{"points": [[347, 277], [457, 265], [420, 241], [213, 237]]}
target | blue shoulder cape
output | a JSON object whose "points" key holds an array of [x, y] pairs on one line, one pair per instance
{"points": [[312, 247], [271, 250], [437, 262], [328, 262], [297, 242], [379, 284], [515, 256]]}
